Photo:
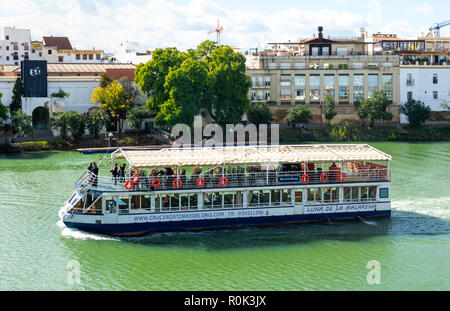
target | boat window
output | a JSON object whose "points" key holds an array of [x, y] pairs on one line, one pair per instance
{"points": [[318, 195], [184, 201], [165, 202], [310, 197], [212, 200], [158, 203], [384, 193], [123, 203], [175, 202], [298, 195], [228, 200], [372, 193], [286, 196], [364, 193], [258, 198], [355, 194], [330, 195], [146, 202], [351, 194], [137, 201], [193, 201], [110, 205], [275, 197]]}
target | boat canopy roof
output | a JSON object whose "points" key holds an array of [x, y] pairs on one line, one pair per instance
{"points": [[179, 156]]}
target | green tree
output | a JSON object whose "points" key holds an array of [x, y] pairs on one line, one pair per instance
{"points": [[16, 100], [373, 108], [415, 111], [70, 122], [96, 119], [105, 80], [298, 114], [21, 123], [112, 99], [330, 113], [259, 113], [222, 92], [3, 111], [151, 76], [136, 116], [227, 96], [186, 84]]}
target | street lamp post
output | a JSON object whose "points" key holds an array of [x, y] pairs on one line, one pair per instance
{"points": [[110, 138]]}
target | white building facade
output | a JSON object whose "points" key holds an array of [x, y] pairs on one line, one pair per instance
{"points": [[16, 45], [429, 84], [132, 53]]}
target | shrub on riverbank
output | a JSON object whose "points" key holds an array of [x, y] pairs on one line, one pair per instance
{"points": [[355, 134]]}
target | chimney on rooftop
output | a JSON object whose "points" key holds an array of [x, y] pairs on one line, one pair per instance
{"points": [[320, 28]]}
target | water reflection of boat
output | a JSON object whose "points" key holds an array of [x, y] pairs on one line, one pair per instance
{"points": [[177, 189]]}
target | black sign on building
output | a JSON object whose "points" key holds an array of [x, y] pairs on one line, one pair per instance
{"points": [[34, 77]]}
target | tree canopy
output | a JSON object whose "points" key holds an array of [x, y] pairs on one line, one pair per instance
{"points": [[112, 99], [373, 108], [259, 113], [298, 114], [3, 111], [415, 111], [180, 84], [330, 113], [16, 99], [70, 122], [96, 119]]}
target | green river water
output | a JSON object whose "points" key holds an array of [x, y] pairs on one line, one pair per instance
{"points": [[413, 247]]}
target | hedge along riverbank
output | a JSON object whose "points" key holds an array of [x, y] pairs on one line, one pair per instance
{"points": [[356, 134]]}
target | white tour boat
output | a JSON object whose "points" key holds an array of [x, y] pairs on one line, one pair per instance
{"points": [[176, 189]]}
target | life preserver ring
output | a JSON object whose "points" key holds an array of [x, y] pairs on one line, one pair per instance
{"points": [[223, 181], [197, 170], [177, 183], [129, 185], [323, 177], [153, 184], [341, 176], [134, 172], [200, 181], [154, 170], [305, 178], [166, 199], [217, 170], [136, 180]]}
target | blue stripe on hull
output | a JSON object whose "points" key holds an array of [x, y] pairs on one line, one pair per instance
{"points": [[142, 228]]}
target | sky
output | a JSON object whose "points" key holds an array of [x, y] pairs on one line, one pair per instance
{"points": [[104, 24]]}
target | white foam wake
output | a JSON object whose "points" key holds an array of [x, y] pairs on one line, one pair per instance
{"points": [[435, 207], [76, 234]]}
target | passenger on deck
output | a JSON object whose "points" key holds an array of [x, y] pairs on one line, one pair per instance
{"points": [[122, 172], [90, 167], [95, 172], [333, 171], [115, 173]]}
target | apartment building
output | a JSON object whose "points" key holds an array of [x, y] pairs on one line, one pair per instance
{"points": [[304, 73], [60, 50], [16, 45], [424, 70]]}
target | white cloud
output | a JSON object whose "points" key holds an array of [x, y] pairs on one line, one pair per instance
{"points": [[158, 23], [425, 8]]}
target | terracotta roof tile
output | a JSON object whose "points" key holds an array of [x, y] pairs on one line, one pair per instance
{"points": [[61, 43]]}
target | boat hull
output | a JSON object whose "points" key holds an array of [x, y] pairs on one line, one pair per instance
{"points": [[136, 229]]}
